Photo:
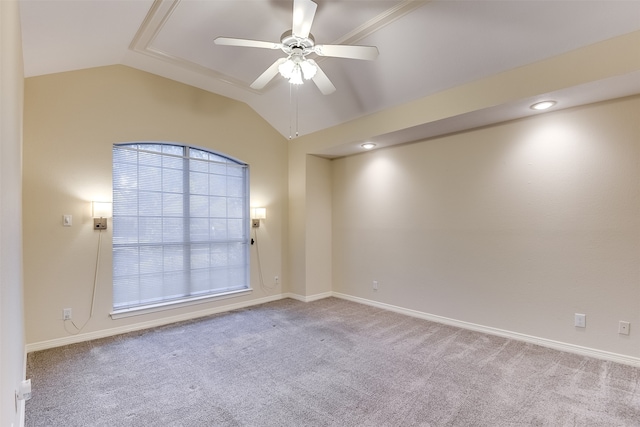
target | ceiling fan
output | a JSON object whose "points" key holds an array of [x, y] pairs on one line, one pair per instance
{"points": [[297, 44]]}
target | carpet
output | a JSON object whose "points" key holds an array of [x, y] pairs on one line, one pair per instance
{"points": [[327, 363]]}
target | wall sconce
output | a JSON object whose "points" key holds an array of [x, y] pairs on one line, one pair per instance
{"points": [[100, 212], [256, 215]]}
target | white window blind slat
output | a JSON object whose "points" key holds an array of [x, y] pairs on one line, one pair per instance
{"points": [[180, 224]]}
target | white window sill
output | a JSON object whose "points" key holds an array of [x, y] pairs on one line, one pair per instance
{"points": [[154, 308]]}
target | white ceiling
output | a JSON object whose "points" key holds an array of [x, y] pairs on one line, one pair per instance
{"points": [[425, 47]]}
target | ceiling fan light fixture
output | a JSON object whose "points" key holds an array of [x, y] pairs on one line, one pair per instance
{"points": [[297, 67], [296, 44], [296, 76], [286, 68], [309, 68]]}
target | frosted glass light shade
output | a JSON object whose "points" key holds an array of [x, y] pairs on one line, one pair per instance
{"points": [[296, 67], [259, 213], [101, 209], [296, 76], [286, 68], [309, 69]]}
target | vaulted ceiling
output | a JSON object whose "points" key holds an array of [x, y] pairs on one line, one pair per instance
{"points": [[425, 47]]}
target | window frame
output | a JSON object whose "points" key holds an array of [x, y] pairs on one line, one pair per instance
{"points": [[190, 298]]}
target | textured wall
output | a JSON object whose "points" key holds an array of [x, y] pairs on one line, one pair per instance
{"points": [[516, 226]]}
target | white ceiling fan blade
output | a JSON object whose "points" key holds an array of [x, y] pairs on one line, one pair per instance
{"points": [[345, 51], [268, 75], [230, 41], [322, 81], [303, 13]]}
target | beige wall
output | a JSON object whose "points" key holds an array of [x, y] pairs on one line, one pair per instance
{"points": [[310, 224], [12, 351], [318, 220], [516, 226], [297, 220], [591, 64], [72, 121]]}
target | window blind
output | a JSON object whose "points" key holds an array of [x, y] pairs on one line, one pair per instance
{"points": [[180, 224]]}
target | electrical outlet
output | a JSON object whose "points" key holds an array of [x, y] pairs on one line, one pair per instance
{"points": [[623, 327], [66, 314], [580, 320], [276, 280], [375, 285], [99, 223]]}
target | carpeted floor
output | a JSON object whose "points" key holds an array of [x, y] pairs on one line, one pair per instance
{"points": [[326, 363]]}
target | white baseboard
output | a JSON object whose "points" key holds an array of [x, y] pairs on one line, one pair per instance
{"points": [[309, 298], [570, 348], [556, 345], [59, 342]]}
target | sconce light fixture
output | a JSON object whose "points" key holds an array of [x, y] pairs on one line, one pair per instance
{"points": [[100, 212], [256, 215]]}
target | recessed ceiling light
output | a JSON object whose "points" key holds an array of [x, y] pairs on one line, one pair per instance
{"points": [[543, 105], [368, 145]]}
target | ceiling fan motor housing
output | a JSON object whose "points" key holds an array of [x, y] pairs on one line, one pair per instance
{"points": [[291, 43]]}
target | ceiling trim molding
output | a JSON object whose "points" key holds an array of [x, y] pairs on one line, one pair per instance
{"points": [[380, 21], [158, 15], [161, 11]]}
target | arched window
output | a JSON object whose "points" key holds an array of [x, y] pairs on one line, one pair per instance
{"points": [[180, 225]]}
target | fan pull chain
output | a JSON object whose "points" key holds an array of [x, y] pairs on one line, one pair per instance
{"points": [[293, 103], [296, 110], [290, 109]]}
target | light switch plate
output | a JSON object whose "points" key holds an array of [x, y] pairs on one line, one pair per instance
{"points": [[67, 220], [580, 320]]}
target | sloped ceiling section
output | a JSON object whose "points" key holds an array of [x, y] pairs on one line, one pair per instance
{"points": [[426, 47]]}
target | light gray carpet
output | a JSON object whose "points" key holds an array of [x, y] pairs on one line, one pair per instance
{"points": [[326, 363]]}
